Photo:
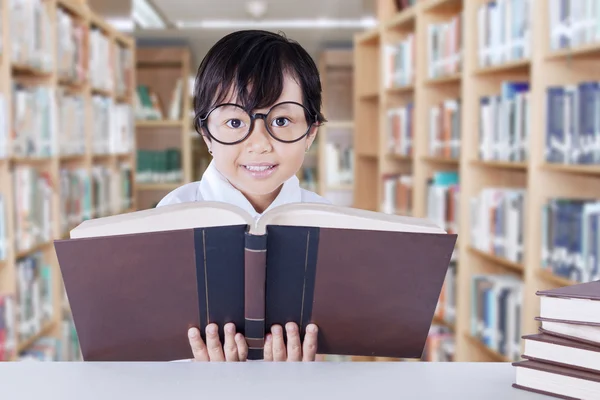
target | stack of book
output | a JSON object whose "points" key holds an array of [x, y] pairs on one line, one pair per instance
{"points": [[563, 359]]}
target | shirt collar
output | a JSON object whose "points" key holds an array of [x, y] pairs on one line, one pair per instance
{"points": [[214, 186]]}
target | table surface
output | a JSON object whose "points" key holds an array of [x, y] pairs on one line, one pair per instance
{"points": [[259, 380]]}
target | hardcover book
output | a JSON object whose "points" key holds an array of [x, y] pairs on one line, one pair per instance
{"points": [[136, 282]]}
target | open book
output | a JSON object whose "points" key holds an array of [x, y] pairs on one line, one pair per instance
{"points": [[136, 282]]}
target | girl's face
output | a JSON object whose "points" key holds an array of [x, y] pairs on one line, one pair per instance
{"points": [[259, 165]]}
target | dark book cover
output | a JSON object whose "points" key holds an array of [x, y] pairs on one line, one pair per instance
{"points": [[370, 292], [587, 291]]}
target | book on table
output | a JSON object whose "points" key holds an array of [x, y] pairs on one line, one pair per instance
{"points": [[563, 359], [136, 282]]}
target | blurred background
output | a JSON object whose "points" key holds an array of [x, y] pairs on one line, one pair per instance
{"points": [[461, 111]]}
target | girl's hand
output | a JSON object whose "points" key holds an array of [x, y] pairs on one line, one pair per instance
{"points": [[234, 349], [275, 348]]}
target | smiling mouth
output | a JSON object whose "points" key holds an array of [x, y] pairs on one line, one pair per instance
{"points": [[259, 168]]}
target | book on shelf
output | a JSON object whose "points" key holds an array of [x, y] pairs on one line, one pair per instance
{"points": [[112, 190], [299, 262], [443, 194], [573, 23], [446, 306], [75, 198], [4, 215], [563, 359], [399, 62], [400, 129], [397, 194], [31, 34], [34, 302], [159, 166], [71, 123], [497, 222], [8, 335], [150, 106], [573, 123], [570, 240], [124, 70], [32, 193], [496, 309], [35, 125], [72, 38], [5, 150], [101, 72], [339, 163], [445, 47], [503, 32], [445, 128], [440, 345], [114, 131], [44, 349], [504, 123]]}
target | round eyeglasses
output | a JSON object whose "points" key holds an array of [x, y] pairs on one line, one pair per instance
{"points": [[230, 123]]}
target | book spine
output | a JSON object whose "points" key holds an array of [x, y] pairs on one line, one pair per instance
{"points": [[255, 265]]}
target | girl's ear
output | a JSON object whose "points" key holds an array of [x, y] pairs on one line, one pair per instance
{"points": [[311, 136], [207, 142]]}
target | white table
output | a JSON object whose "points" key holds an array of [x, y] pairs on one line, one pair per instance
{"points": [[260, 380]]}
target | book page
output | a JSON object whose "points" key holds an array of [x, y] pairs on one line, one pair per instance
{"points": [[202, 214], [330, 216]]}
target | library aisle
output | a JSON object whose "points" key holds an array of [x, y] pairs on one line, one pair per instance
{"points": [[461, 111]]}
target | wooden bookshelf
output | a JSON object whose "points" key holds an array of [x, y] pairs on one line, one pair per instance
{"points": [[327, 166], [541, 180], [164, 71], [113, 151]]}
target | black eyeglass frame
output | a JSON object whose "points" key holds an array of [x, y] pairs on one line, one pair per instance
{"points": [[253, 118]]}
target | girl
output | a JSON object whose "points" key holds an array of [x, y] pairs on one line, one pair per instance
{"points": [[257, 104]]}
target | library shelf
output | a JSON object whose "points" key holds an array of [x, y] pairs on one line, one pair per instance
{"points": [[503, 262], [515, 66], [45, 330], [583, 51], [491, 354], [405, 19], [159, 124], [443, 322], [443, 80], [508, 165], [549, 276], [442, 5], [399, 90], [158, 186], [573, 168], [79, 63], [442, 160]]}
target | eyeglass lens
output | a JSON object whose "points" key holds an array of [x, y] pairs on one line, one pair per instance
{"points": [[230, 123]]}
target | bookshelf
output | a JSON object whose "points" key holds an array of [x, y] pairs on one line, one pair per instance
{"points": [[163, 122], [426, 145], [66, 155], [329, 165]]}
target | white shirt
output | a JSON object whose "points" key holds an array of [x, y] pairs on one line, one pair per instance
{"points": [[215, 187]]}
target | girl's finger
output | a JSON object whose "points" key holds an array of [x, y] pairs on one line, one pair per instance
{"points": [[268, 349], [309, 347], [230, 346], [279, 353], [242, 347], [198, 347], [294, 348], [213, 343]]}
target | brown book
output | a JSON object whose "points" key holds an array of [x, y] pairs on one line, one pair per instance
{"points": [[585, 332], [578, 303], [136, 282], [556, 381], [560, 351]]}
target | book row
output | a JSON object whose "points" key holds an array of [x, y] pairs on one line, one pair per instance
{"points": [[573, 23], [504, 32], [570, 238], [504, 123], [150, 106], [397, 194], [445, 128], [445, 47], [31, 34], [400, 128], [443, 194], [159, 166], [497, 222], [496, 308], [573, 130], [399, 63], [49, 122]]}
